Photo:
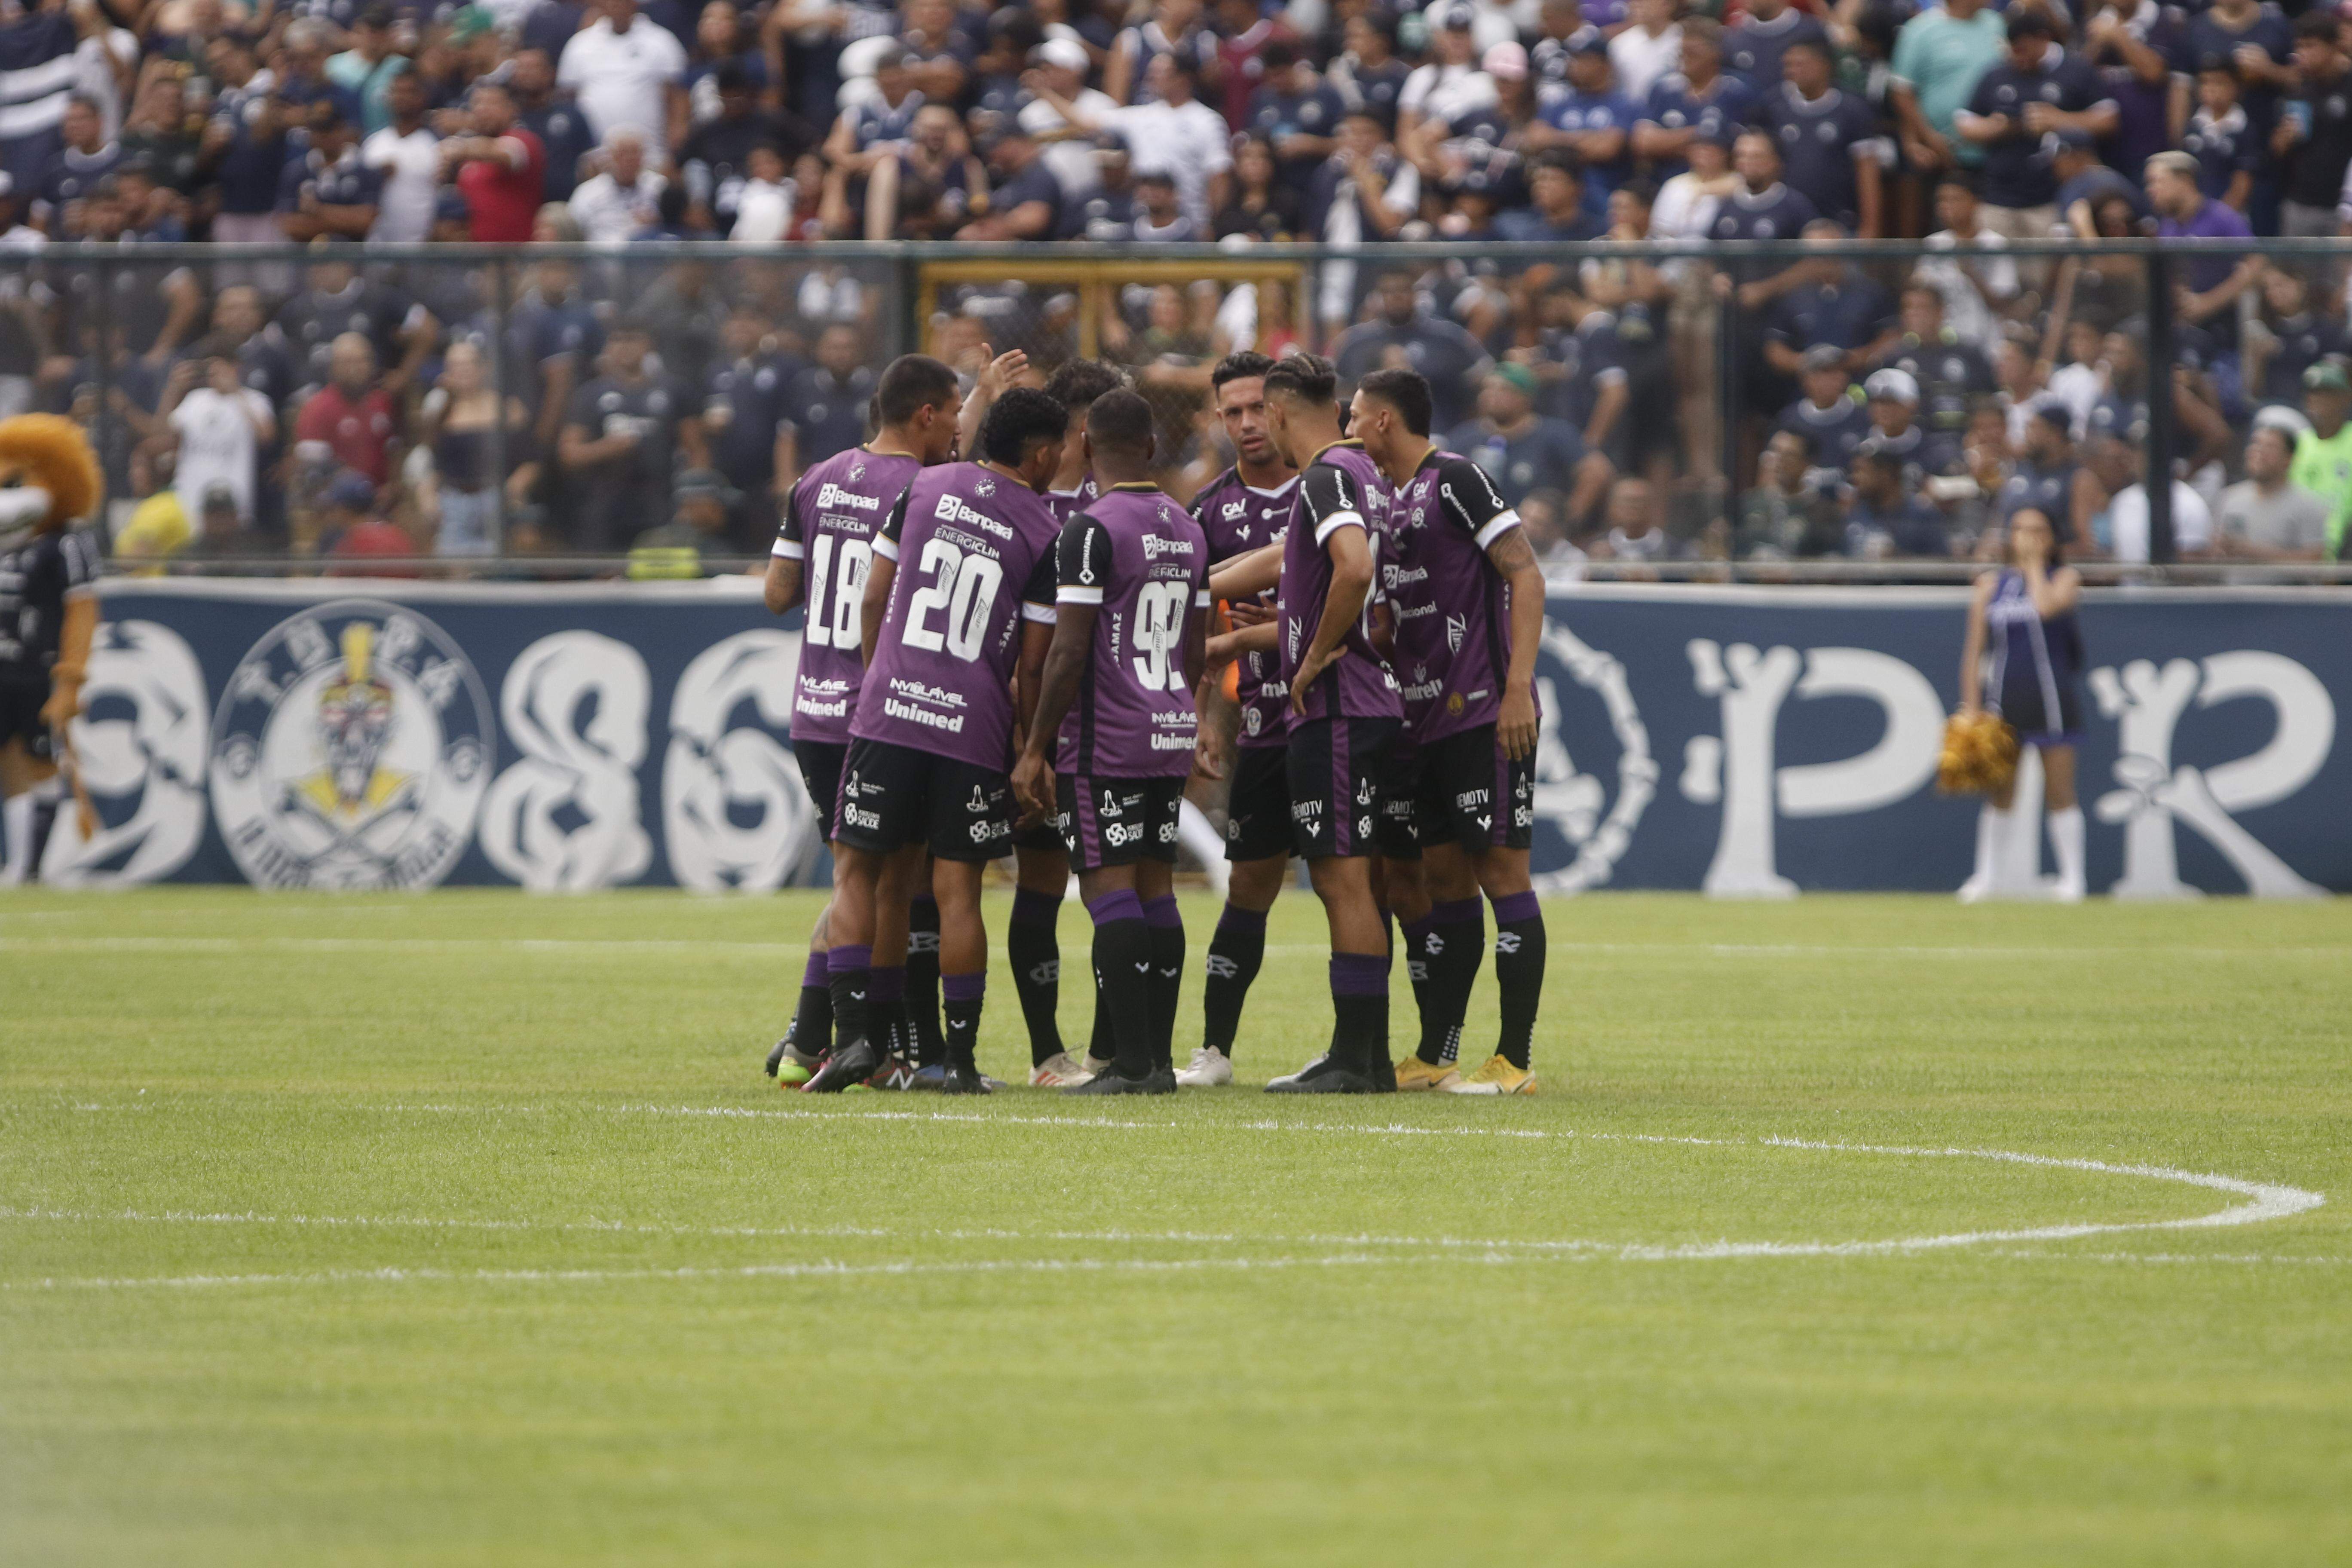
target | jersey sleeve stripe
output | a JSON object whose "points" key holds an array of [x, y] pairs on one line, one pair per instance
{"points": [[1338, 519], [886, 547], [1501, 524], [788, 550], [1201, 601], [1070, 594], [1044, 614]]}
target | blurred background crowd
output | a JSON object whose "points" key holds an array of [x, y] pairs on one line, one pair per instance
{"points": [[660, 391]]}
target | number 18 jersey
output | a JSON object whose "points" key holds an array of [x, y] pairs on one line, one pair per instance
{"points": [[830, 523], [975, 558], [1141, 561]]}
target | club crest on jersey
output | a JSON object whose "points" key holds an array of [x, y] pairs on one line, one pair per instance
{"points": [[985, 487], [856, 472], [352, 748]]}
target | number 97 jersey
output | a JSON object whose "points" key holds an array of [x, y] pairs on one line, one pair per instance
{"points": [[830, 525], [1142, 564]]}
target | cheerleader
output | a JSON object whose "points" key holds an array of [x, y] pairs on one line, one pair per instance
{"points": [[2023, 615]]}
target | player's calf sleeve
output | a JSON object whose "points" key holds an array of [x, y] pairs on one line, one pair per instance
{"points": [[1164, 934], [923, 978], [811, 1027], [849, 970], [1236, 953], [885, 1005], [964, 995], [1123, 967], [1036, 952], [1519, 972], [1456, 946], [1359, 1010]]}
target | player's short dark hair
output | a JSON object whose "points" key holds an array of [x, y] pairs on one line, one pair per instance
{"points": [[1404, 389], [912, 382], [1239, 365], [1019, 421], [1818, 46], [1308, 378], [1081, 381], [1119, 421]]}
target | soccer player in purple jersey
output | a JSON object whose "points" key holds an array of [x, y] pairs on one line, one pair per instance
{"points": [[1115, 731], [1247, 507], [953, 644], [1467, 599], [1041, 863], [824, 545], [1345, 711]]}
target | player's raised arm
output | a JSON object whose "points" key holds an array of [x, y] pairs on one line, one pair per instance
{"points": [[1246, 575], [879, 576], [782, 589]]}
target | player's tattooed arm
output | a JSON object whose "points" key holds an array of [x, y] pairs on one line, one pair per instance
{"points": [[1515, 724]]}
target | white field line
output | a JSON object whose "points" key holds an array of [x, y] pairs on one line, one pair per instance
{"points": [[596, 946], [2269, 1201]]}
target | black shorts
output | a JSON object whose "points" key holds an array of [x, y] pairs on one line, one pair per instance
{"points": [[2024, 705], [1257, 816], [1117, 822], [820, 765], [1336, 767], [1393, 831], [892, 796], [1466, 790], [1039, 836], [21, 702]]}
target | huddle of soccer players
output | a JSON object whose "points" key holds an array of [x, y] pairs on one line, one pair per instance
{"points": [[1015, 652]]}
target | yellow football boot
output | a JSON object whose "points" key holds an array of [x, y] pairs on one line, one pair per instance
{"points": [[1496, 1077], [1412, 1073]]}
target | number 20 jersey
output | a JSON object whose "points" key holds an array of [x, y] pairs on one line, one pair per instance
{"points": [[975, 558], [831, 521], [1141, 561]]}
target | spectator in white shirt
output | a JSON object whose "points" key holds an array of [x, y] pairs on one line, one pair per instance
{"points": [[1650, 48], [220, 425], [1069, 151], [408, 155], [2121, 466], [625, 197], [626, 70], [1177, 134]]}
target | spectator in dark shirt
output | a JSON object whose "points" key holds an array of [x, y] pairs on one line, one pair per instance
{"points": [[1752, 50], [2228, 151], [1593, 120], [1027, 201], [1887, 516], [1831, 146], [1398, 333], [716, 159], [1523, 452], [1836, 304], [329, 193], [622, 436], [1698, 101], [1558, 212], [557, 122], [827, 401], [1830, 416], [2291, 339], [1952, 377], [2084, 183], [1298, 113], [2037, 88], [2315, 132]]}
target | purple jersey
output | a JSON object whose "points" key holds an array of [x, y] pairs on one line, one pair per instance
{"points": [[1341, 488], [829, 522], [1453, 608], [1066, 504], [1144, 563], [975, 557], [1238, 519]]}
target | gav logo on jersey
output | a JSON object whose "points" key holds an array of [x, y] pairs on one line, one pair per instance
{"points": [[352, 750]]}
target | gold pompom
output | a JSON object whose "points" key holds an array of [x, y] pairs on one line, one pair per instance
{"points": [[1980, 755]]}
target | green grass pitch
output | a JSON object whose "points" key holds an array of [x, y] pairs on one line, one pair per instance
{"points": [[463, 1228]]}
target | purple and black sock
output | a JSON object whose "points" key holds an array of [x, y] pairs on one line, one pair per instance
{"points": [[1456, 945], [1236, 953], [964, 995], [1164, 936], [885, 1005], [1123, 968], [811, 1032], [1035, 952], [1359, 1010], [1519, 973], [849, 972], [923, 978]]}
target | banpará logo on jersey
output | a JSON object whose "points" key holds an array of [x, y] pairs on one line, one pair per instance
{"points": [[352, 750]]}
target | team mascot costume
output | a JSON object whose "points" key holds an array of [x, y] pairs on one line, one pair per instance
{"points": [[48, 613]]}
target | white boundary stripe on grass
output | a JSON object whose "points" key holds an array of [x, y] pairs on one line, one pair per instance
{"points": [[593, 946], [2270, 1201]]}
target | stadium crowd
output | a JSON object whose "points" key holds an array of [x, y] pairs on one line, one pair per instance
{"points": [[358, 406]]}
